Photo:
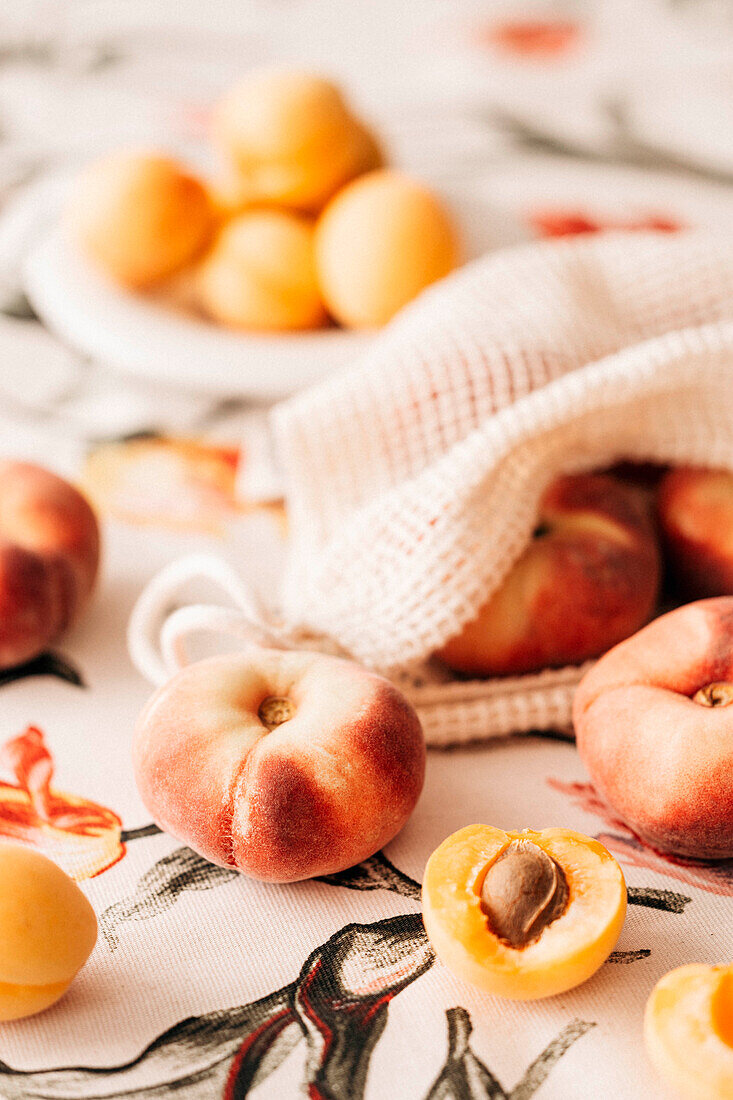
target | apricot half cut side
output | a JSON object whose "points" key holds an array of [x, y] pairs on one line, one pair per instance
{"points": [[523, 915], [688, 1031]]}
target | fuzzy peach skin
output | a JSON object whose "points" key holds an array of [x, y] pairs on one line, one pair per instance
{"points": [[663, 761], [569, 949], [49, 555], [696, 518], [589, 578], [318, 793], [47, 931], [688, 1031]]}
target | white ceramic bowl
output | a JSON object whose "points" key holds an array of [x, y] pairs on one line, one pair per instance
{"points": [[151, 338]]}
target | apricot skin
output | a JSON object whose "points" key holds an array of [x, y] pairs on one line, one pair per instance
{"points": [[568, 951], [260, 274], [688, 1031], [289, 140], [379, 243], [140, 217], [47, 931]]}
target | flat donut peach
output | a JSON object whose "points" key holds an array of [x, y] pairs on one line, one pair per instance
{"points": [[283, 764], [588, 578], [696, 517], [49, 555], [654, 724]]}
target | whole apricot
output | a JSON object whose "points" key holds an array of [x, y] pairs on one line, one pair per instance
{"points": [[523, 915], [260, 274], [290, 138], [688, 1031], [140, 217], [379, 243], [47, 931]]}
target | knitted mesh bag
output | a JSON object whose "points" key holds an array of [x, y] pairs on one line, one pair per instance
{"points": [[413, 479]]}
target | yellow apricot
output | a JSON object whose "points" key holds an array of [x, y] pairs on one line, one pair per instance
{"points": [[688, 1031], [482, 927], [260, 274], [723, 1007], [368, 153], [290, 138], [140, 217], [379, 242], [47, 931]]}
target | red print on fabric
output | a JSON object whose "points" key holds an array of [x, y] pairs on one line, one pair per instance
{"points": [[573, 223], [715, 878], [81, 836], [533, 38]]}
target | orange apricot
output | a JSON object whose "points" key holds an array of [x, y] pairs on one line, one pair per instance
{"points": [[140, 217], [381, 241], [290, 139], [688, 1031], [260, 274], [523, 914], [47, 931]]}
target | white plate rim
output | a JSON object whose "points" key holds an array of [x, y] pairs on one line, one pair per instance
{"points": [[169, 347]]}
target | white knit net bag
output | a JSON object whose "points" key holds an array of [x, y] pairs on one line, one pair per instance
{"points": [[413, 479]]}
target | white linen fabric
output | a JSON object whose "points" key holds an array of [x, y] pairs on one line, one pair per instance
{"points": [[204, 984], [413, 480]]}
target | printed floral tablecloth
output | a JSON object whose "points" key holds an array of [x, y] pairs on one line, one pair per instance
{"points": [[204, 984]]}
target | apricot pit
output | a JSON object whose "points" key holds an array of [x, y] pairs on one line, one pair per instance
{"points": [[523, 914], [524, 890]]}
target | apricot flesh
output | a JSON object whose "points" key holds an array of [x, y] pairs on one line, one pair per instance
{"points": [[562, 950], [688, 1031], [47, 931]]}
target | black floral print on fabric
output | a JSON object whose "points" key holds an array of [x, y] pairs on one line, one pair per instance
{"points": [[337, 1006], [47, 664], [183, 870], [465, 1077]]}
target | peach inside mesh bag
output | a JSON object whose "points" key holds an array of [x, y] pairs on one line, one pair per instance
{"points": [[413, 479]]}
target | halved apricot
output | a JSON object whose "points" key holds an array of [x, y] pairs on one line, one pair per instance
{"points": [[523, 914], [688, 1031]]}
